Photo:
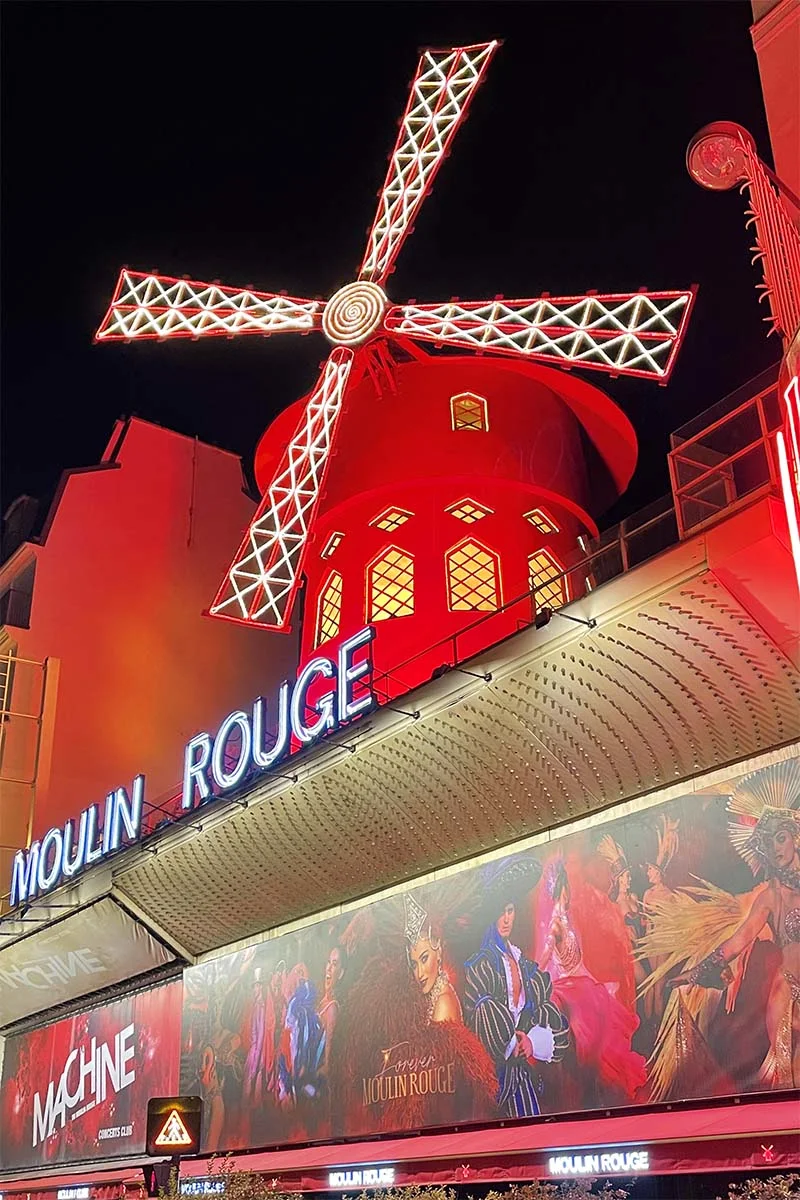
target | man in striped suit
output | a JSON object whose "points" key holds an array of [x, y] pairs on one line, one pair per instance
{"points": [[507, 999]]}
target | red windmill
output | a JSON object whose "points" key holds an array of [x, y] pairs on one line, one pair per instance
{"points": [[427, 441]]}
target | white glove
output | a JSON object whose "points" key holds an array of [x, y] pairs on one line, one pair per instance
{"points": [[543, 1042]]}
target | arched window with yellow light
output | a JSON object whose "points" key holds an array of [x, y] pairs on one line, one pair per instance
{"points": [[546, 580], [468, 411], [329, 609], [390, 585], [473, 577]]}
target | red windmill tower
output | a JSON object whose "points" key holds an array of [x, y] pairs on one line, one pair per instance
{"points": [[459, 481]]}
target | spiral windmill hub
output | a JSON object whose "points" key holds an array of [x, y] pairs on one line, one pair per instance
{"points": [[354, 313]]}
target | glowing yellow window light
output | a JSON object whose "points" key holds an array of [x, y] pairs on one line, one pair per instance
{"points": [[468, 411], [541, 521], [331, 544], [329, 609], [391, 519], [546, 580], [391, 585], [473, 578], [468, 511]]}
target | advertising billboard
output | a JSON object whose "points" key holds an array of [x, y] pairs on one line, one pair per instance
{"points": [[78, 1089], [651, 958], [93, 948]]}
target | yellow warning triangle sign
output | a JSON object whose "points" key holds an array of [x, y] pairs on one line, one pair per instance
{"points": [[174, 1132]]}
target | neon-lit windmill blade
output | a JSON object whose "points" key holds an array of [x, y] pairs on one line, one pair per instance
{"points": [[440, 94], [265, 570], [157, 306], [630, 334]]}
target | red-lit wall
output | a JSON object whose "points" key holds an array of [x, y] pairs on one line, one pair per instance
{"points": [[133, 555]]}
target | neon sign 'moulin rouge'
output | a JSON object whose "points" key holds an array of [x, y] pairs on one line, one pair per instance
{"points": [[214, 766]]}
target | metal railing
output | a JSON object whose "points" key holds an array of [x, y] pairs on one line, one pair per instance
{"points": [[612, 554], [726, 464]]}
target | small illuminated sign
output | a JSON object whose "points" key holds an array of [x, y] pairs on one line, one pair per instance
{"points": [[174, 1134], [213, 766], [202, 1187], [364, 1177], [173, 1125], [73, 1193], [611, 1162]]}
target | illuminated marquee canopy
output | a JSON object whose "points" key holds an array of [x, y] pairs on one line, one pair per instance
{"points": [[622, 334]]}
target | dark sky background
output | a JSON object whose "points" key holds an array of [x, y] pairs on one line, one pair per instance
{"points": [[246, 141]]}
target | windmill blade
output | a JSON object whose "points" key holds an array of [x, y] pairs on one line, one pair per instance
{"points": [[261, 583], [440, 94], [631, 334], [157, 306]]}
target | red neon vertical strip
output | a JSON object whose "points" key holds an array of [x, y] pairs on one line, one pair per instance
{"points": [[788, 444]]}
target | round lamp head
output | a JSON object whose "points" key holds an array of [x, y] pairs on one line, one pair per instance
{"points": [[716, 158]]}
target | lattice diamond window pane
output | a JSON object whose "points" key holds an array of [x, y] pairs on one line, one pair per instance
{"points": [[544, 573], [329, 613], [468, 411], [541, 521], [468, 511], [472, 578], [391, 519], [391, 586]]}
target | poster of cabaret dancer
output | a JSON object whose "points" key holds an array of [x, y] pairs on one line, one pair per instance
{"points": [[650, 958], [78, 1088]]}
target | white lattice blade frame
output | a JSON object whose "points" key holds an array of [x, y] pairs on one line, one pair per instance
{"points": [[440, 94], [635, 333], [261, 583], [158, 306]]}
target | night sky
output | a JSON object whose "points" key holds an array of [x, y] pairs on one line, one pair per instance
{"points": [[245, 142]]}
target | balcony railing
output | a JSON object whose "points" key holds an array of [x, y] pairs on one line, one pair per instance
{"points": [[726, 464], [612, 554]]}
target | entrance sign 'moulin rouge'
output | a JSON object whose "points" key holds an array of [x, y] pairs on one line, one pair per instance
{"points": [[213, 767]]}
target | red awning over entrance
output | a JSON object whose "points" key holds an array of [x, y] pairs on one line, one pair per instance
{"points": [[735, 1137], [755, 1136]]}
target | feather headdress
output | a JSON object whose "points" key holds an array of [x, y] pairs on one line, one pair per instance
{"points": [[761, 804], [614, 855], [555, 876], [683, 930], [667, 841]]}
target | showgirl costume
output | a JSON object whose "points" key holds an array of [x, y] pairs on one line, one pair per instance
{"points": [[384, 1018], [709, 935], [602, 1027], [503, 997]]}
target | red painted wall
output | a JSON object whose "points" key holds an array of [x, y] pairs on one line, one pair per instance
{"points": [[133, 555]]}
